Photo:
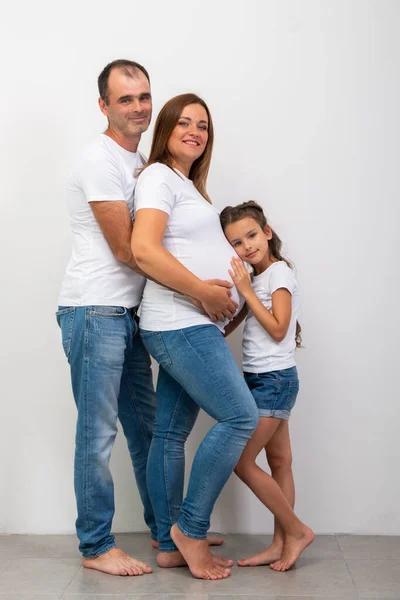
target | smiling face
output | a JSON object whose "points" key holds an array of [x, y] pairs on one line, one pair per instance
{"points": [[129, 104], [189, 137], [250, 241]]}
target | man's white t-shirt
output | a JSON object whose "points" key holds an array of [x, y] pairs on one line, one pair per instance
{"points": [[193, 236], [103, 172], [261, 353]]}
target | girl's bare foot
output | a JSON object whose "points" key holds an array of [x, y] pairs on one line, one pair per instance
{"points": [[198, 556], [168, 560], [292, 548], [213, 540], [272, 554], [117, 562]]}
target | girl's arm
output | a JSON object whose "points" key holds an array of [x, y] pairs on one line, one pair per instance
{"points": [[276, 324], [230, 328], [156, 261]]}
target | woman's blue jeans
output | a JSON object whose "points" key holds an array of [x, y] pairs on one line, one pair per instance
{"points": [[197, 370]]}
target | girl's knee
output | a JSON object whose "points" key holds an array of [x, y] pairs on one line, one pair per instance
{"points": [[279, 461]]}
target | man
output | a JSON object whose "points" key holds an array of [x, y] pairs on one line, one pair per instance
{"points": [[110, 368]]}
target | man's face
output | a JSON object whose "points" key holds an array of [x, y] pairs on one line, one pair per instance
{"points": [[129, 103]]}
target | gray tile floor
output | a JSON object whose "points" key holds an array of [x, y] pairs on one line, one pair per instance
{"points": [[336, 567]]}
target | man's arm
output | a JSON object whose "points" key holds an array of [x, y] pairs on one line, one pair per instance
{"points": [[115, 222]]}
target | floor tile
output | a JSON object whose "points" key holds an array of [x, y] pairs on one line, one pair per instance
{"points": [[30, 597], [37, 575], [311, 576], [162, 581], [66, 546], [376, 578], [265, 597], [240, 546], [370, 546], [39, 546], [151, 596]]}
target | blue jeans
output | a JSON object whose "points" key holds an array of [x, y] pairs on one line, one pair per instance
{"points": [[197, 370], [111, 378]]}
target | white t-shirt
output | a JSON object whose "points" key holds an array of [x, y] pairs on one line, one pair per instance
{"points": [[103, 172], [193, 236], [261, 353]]}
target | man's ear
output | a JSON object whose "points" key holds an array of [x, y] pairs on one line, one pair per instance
{"points": [[268, 232], [103, 107]]}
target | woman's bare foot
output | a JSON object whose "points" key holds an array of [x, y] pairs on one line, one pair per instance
{"points": [[213, 540], [272, 554], [198, 556], [292, 548], [117, 562], [169, 560]]}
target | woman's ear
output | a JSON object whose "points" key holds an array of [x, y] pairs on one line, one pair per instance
{"points": [[268, 232]]}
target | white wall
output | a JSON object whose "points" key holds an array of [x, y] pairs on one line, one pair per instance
{"points": [[305, 99]]}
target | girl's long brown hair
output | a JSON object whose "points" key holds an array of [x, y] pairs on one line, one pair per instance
{"points": [[165, 124], [232, 214]]}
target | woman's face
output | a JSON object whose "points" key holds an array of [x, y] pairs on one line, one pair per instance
{"points": [[189, 137]]}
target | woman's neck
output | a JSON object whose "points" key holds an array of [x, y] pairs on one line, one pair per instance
{"points": [[183, 167]]}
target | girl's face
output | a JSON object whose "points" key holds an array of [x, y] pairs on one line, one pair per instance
{"points": [[189, 137], [250, 241]]}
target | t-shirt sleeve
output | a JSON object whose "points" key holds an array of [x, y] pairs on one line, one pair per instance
{"points": [[99, 178], [154, 191], [282, 276]]}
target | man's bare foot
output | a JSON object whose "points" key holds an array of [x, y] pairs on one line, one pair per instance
{"points": [[292, 548], [198, 556], [213, 540], [117, 562], [169, 560], [272, 554]]}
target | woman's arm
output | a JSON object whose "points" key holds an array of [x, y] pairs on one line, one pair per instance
{"points": [[275, 323], [156, 261]]}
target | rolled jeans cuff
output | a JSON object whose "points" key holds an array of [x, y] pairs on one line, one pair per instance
{"points": [[185, 531], [100, 551]]}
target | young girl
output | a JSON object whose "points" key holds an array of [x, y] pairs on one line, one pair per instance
{"points": [[270, 337]]}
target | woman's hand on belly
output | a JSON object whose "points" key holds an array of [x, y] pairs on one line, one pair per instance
{"points": [[215, 297]]}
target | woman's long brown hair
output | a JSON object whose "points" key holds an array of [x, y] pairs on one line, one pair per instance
{"points": [[232, 214], [165, 124]]}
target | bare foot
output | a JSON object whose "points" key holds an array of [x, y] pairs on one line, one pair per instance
{"points": [[272, 554], [168, 560], [292, 548], [213, 540], [198, 556], [117, 562]]}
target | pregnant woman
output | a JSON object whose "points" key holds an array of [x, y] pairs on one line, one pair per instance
{"points": [[178, 241]]}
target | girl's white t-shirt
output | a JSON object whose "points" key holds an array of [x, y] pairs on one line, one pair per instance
{"points": [[193, 236], [261, 353]]}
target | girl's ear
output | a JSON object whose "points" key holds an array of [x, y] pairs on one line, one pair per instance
{"points": [[268, 232]]}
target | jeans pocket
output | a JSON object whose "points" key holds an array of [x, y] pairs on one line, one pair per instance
{"points": [[293, 390], [155, 346], [65, 319]]}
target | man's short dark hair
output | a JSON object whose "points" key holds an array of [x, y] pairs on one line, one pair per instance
{"points": [[129, 68]]}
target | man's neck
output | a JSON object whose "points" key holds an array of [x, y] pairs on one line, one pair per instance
{"points": [[129, 143]]}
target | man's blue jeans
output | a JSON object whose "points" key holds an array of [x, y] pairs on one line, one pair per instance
{"points": [[111, 378], [197, 370]]}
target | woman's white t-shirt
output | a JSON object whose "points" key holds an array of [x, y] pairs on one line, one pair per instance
{"points": [[261, 353], [193, 236]]}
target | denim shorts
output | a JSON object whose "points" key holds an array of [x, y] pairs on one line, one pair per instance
{"points": [[275, 392]]}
